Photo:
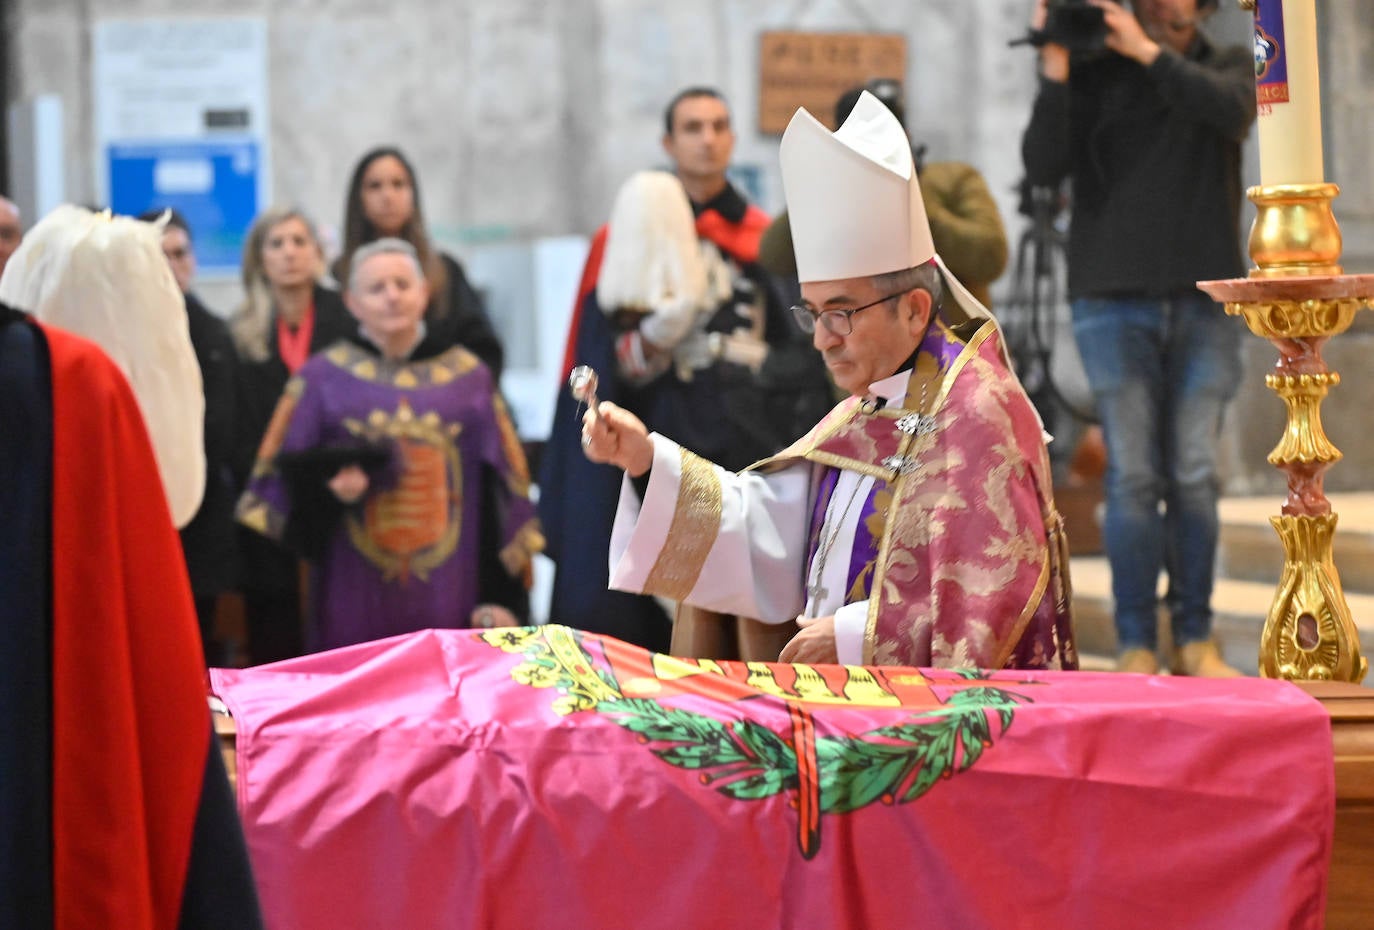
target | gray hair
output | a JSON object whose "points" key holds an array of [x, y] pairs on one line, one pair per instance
{"points": [[387, 245], [922, 277]]}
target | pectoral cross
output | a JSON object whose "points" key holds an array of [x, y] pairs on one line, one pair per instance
{"points": [[817, 591]]}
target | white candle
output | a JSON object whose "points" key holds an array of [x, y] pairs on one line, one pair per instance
{"points": [[1289, 92]]}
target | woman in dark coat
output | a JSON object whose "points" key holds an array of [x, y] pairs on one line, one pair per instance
{"points": [[384, 200], [287, 315]]}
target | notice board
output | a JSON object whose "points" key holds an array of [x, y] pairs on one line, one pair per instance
{"points": [[812, 70], [181, 121]]}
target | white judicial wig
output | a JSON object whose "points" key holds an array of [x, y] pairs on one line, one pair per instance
{"points": [[855, 202], [105, 278]]}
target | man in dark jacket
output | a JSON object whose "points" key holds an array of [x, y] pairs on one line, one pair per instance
{"points": [[1149, 129], [208, 540]]}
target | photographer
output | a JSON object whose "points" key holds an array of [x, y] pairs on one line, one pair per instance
{"points": [[1146, 116]]}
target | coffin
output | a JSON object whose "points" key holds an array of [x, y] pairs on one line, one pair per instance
{"points": [[544, 777], [1350, 902]]}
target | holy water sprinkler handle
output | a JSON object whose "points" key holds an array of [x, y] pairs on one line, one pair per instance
{"points": [[582, 381]]}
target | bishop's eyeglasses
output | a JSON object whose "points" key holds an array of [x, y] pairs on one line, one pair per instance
{"points": [[839, 322]]}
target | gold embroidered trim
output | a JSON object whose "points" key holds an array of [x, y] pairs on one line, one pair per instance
{"points": [[1027, 612], [985, 332], [802, 448], [693, 530], [519, 480], [440, 370], [897, 485], [275, 433], [805, 448], [847, 464]]}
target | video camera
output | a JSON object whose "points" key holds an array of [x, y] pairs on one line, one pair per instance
{"points": [[1079, 27], [1075, 24]]}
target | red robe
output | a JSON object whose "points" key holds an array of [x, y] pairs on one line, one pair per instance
{"points": [[130, 729]]}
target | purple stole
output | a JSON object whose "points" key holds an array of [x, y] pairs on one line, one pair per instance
{"points": [[943, 348]]}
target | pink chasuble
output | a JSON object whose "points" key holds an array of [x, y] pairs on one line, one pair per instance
{"points": [[973, 567]]}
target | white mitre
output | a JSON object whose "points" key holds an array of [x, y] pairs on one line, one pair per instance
{"points": [[105, 278], [854, 200]]}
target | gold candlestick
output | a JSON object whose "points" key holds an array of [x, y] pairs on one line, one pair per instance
{"points": [[1297, 298], [1295, 231]]}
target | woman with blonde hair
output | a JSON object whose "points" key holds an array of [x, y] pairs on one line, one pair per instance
{"points": [[286, 316], [384, 201]]}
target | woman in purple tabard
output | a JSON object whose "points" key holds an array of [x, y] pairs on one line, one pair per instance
{"points": [[392, 465]]}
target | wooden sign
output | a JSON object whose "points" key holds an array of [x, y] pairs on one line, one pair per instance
{"points": [[812, 70]]}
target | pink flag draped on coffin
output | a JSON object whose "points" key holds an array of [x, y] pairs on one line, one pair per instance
{"points": [[547, 778]]}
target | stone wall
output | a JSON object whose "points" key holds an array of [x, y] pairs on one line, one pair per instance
{"points": [[524, 115]]}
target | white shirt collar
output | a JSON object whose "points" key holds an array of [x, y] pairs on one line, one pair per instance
{"points": [[891, 389]]}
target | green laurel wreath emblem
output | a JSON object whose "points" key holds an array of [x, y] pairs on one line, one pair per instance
{"points": [[747, 761]]}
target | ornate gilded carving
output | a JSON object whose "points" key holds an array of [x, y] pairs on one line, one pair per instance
{"points": [[1297, 319], [1309, 634], [1304, 440], [1295, 231], [1297, 298]]}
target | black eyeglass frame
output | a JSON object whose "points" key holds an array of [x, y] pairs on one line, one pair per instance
{"points": [[807, 316]]}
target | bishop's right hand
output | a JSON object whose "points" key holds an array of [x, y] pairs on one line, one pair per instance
{"points": [[613, 435]]}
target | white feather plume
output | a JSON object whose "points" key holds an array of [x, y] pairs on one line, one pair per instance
{"points": [[105, 278], [653, 257]]}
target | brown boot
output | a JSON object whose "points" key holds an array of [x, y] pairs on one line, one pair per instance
{"points": [[1139, 661], [1202, 660]]}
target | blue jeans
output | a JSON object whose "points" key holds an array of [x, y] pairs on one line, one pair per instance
{"points": [[1161, 372]]}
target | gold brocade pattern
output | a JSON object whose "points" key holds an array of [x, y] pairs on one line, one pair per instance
{"points": [[971, 567], [928, 574], [695, 524], [413, 528]]}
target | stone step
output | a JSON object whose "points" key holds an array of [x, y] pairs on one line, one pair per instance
{"points": [[1249, 549], [1239, 609]]}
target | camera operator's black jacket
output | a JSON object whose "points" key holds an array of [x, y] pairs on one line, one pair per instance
{"points": [[1154, 155]]}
